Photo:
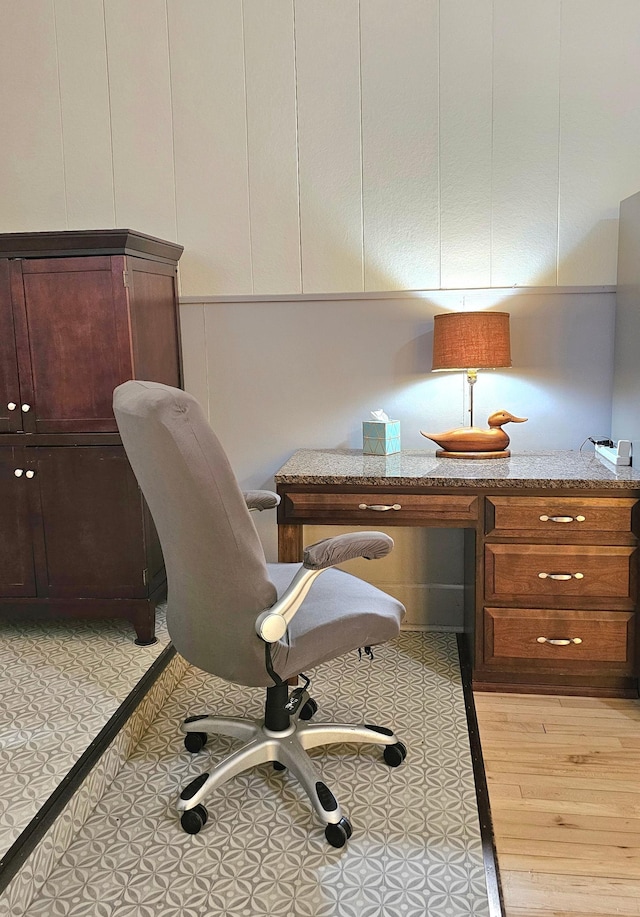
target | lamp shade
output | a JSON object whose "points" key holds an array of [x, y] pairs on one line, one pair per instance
{"points": [[471, 340]]}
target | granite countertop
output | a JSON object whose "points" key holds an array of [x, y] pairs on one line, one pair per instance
{"points": [[569, 469]]}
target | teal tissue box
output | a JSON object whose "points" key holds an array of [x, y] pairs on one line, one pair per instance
{"points": [[380, 437]]}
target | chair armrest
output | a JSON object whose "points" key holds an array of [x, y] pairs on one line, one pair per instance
{"points": [[336, 550], [271, 625], [260, 499]]}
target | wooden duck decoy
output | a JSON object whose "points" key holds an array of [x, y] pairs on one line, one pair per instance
{"points": [[474, 442]]}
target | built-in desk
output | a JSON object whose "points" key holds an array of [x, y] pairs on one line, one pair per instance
{"points": [[551, 552]]}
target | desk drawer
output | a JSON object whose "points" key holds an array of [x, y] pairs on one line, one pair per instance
{"points": [[515, 572], [372, 507], [583, 640], [558, 517]]}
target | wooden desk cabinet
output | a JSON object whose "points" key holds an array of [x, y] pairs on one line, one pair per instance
{"points": [[559, 593], [80, 312], [551, 553]]}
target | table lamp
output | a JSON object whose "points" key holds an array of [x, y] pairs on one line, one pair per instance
{"points": [[467, 342]]}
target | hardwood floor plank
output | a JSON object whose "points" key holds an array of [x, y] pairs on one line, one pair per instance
{"points": [[619, 728], [562, 783], [538, 707], [617, 763], [564, 866], [618, 810], [494, 698], [607, 703], [508, 814], [555, 741], [564, 833], [560, 717], [601, 855], [587, 770], [544, 904], [580, 885], [626, 714], [612, 793], [534, 727], [565, 895], [555, 912]]}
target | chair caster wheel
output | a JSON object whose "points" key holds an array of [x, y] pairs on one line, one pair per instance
{"points": [[394, 755], [193, 820], [195, 741], [308, 709], [339, 834]]}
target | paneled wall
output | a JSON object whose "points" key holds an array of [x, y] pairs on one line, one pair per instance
{"points": [[625, 419], [329, 145]]}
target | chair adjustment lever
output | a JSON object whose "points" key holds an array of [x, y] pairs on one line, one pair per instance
{"points": [[297, 699]]}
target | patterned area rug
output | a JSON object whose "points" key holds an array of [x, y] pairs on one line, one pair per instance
{"points": [[415, 848], [61, 681]]}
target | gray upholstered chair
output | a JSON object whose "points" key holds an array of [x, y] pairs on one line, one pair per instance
{"points": [[232, 614]]}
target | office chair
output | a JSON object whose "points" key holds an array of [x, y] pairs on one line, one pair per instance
{"points": [[235, 616]]}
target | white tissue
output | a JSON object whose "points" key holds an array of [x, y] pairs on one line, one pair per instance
{"points": [[380, 415]]}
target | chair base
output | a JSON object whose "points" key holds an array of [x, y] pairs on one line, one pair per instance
{"points": [[285, 747]]}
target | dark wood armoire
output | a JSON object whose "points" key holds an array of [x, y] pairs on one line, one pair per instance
{"points": [[80, 312]]}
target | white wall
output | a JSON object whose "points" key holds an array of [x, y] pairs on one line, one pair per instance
{"points": [[329, 145]]}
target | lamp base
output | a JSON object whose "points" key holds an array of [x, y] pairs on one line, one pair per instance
{"points": [[444, 453]]}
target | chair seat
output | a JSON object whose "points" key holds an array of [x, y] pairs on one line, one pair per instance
{"points": [[340, 614]]}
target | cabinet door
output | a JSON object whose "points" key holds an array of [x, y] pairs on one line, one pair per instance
{"points": [[10, 413], [92, 518], [72, 329], [17, 567]]}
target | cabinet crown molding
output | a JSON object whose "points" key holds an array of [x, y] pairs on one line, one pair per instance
{"points": [[87, 241]]}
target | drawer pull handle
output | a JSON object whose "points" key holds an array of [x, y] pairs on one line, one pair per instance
{"points": [[563, 641], [562, 518], [379, 507], [561, 576]]}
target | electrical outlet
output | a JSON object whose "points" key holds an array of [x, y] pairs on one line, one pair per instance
{"points": [[618, 454]]}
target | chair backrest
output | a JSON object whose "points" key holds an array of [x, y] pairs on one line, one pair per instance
{"points": [[216, 571]]}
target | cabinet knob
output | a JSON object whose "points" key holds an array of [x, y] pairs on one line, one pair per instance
{"points": [[19, 472], [29, 474], [26, 407], [12, 406]]}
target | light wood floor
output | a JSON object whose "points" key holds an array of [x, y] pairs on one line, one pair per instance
{"points": [[564, 787]]}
